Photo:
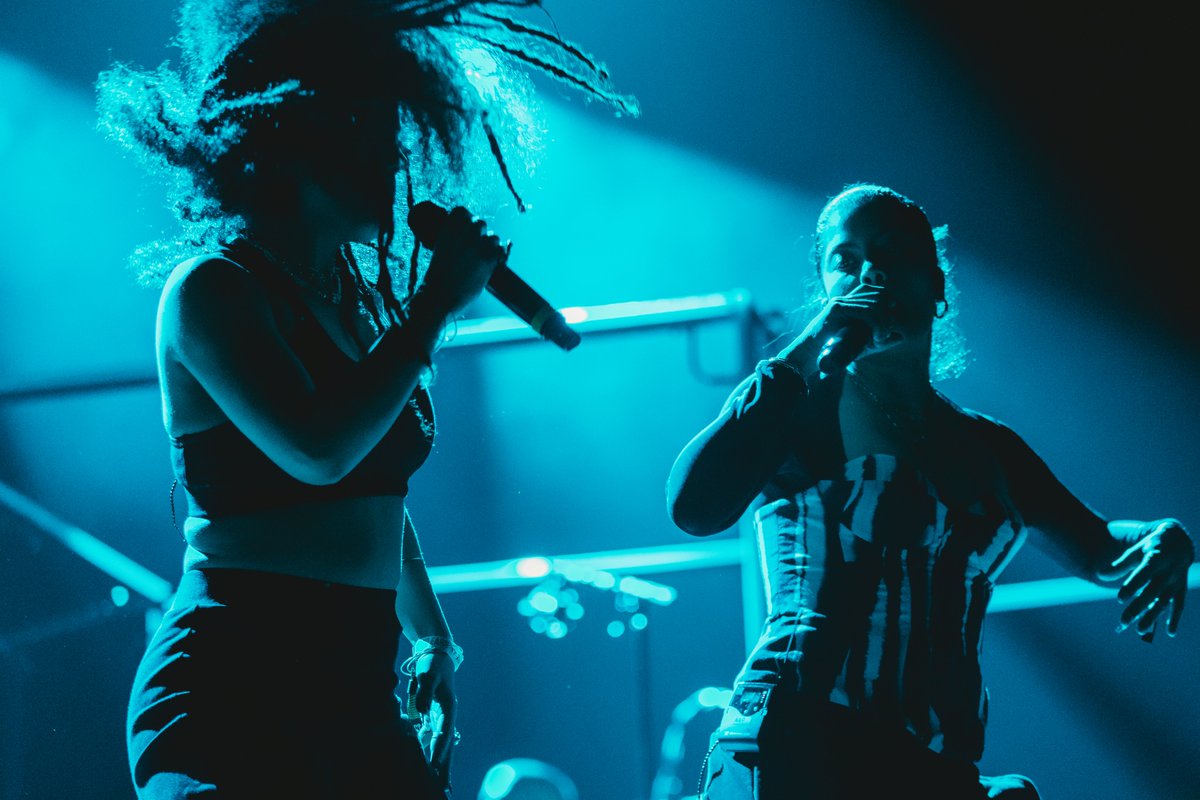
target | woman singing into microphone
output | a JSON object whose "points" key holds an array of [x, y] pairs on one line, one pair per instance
{"points": [[885, 513], [296, 335]]}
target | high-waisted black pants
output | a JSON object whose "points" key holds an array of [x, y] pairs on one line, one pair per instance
{"points": [[259, 685]]}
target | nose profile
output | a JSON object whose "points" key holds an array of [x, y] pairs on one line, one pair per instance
{"points": [[872, 275]]}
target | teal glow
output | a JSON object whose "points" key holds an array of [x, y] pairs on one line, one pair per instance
{"points": [[498, 781], [707, 555], [481, 70], [616, 628], [574, 314], [713, 697], [120, 596], [626, 603], [592, 568], [607, 317], [544, 602], [647, 590], [533, 567], [89, 548], [604, 580]]}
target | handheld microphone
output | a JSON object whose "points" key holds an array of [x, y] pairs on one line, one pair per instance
{"points": [[427, 220], [843, 347]]}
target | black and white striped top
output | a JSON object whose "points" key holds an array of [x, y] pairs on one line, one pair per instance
{"points": [[877, 592]]}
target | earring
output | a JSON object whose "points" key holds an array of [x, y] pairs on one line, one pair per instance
{"points": [[942, 311]]}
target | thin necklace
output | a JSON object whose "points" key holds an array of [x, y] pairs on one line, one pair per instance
{"points": [[325, 284], [914, 428]]}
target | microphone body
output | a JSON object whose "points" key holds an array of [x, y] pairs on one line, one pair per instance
{"points": [[843, 347], [427, 220]]}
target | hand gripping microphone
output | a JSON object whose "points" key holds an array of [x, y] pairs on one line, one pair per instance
{"points": [[427, 220], [843, 347]]}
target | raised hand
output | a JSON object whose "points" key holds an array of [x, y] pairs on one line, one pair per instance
{"points": [[863, 303], [464, 257]]}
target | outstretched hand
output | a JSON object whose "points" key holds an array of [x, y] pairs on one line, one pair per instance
{"points": [[1155, 570], [434, 701]]}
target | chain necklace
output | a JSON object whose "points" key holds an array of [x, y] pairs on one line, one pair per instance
{"points": [[326, 284], [330, 286], [913, 429]]}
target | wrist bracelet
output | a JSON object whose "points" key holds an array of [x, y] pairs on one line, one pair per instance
{"points": [[432, 644], [770, 364]]}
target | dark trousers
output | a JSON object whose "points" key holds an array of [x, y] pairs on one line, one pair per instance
{"points": [[816, 750], [259, 685]]}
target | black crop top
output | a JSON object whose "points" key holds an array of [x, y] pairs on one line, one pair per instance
{"points": [[224, 473]]}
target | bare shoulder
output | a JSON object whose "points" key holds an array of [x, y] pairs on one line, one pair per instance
{"points": [[209, 278], [221, 352], [208, 293], [189, 294]]}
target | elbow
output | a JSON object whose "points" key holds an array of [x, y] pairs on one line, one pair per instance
{"points": [[305, 448], [694, 520], [696, 528], [316, 467], [316, 474], [693, 511]]}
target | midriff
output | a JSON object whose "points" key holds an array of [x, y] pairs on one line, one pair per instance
{"points": [[355, 541]]}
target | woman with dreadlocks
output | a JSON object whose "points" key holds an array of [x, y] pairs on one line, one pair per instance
{"points": [[295, 353]]}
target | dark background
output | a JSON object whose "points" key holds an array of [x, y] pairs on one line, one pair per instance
{"points": [[1056, 148]]}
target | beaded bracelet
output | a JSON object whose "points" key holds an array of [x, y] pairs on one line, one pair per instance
{"points": [[432, 644]]}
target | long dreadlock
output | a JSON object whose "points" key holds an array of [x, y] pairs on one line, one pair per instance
{"points": [[266, 83]]}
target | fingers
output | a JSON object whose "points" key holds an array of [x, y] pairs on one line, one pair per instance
{"points": [[1145, 608], [1125, 563], [1176, 613], [465, 230], [465, 256], [1133, 584], [445, 737], [442, 748], [433, 700], [861, 296], [861, 303], [1157, 567]]}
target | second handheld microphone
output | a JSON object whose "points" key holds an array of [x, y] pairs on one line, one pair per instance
{"points": [[427, 220], [843, 347]]}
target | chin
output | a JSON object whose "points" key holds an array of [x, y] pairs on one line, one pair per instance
{"points": [[365, 233], [889, 339]]}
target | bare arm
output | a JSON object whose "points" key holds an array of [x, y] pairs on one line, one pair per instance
{"points": [[417, 604], [217, 323], [432, 688]]}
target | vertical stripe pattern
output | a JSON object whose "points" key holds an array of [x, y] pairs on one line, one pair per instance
{"points": [[877, 592]]}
